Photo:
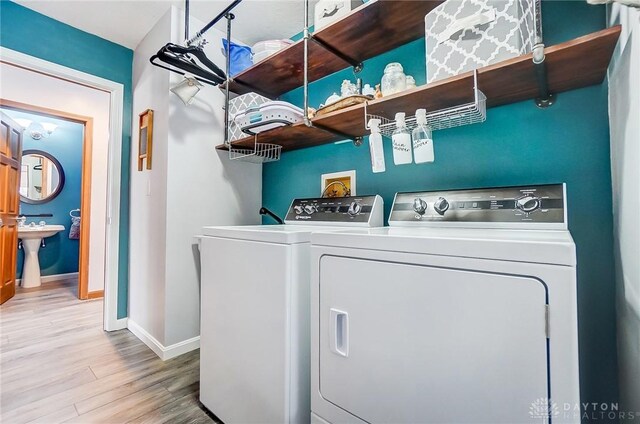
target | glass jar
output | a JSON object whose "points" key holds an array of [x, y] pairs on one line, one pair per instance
{"points": [[394, 80]]}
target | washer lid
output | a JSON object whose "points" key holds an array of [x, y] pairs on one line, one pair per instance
{"points": [[533, 246], [283, 234]]}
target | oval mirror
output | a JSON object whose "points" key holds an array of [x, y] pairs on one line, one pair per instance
{"points": [[41, 178]]}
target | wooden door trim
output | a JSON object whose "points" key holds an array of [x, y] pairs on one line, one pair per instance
{"points": [[85, 210], [85, 195], [95, 294], [9, 206]]}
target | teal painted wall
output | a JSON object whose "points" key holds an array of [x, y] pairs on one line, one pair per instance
{"points": [[60, 256], [32, 33], [518, 144]]}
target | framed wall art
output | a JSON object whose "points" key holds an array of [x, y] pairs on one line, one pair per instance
{"points": [[145, 139], [338, 184]]}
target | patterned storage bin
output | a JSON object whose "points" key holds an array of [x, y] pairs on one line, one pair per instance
{"points": [[462, 35], [239, 105]]}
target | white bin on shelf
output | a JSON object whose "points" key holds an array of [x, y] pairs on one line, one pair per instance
{"points": [[267, 116], [263, 49], [328, 11], [238, 105], [462, 35]]}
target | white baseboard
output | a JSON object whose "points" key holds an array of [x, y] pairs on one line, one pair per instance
{"points": [[163, 352], [118, 324], [55, 277]]}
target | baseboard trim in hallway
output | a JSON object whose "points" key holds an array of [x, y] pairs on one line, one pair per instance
{"points": [[95, 294], [120, 324], [55, 277], [163, 352]]}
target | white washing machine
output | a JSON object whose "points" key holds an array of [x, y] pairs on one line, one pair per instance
{"points": [[463, 310], [254, 343]]}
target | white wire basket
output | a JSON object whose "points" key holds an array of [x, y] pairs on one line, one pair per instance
{"points": [[456, 116], [261, 152]]}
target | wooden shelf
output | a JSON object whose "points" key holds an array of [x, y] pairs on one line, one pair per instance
{"points": [[570, 65], [370, 30]]}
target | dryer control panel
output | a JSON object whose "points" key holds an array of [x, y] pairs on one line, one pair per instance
{"points": [[356, 210], [541, 207]]}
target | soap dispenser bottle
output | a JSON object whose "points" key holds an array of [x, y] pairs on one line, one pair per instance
{"points": [[375, 146], [422, 139], [401, 140]]}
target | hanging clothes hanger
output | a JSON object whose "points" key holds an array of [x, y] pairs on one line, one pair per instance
{"points": [[191, 59]]}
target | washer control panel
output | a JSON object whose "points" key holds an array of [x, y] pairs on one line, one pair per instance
{"points": [[355, 210], [542, 206]]}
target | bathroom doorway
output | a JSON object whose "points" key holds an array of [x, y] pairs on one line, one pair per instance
{"points": [[43, 179], [30, 80]]}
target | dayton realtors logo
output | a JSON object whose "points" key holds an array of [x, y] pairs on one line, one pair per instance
{"points": [[544, 408]]}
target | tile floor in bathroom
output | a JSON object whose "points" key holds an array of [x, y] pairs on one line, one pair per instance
{"points": [[58, 365]]}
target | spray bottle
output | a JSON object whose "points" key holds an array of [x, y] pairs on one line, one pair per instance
{"points": [[422, 139], [401, 140], [375, 147]]}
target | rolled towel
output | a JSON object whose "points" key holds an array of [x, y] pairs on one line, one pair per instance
{"points": [[74, 231]]}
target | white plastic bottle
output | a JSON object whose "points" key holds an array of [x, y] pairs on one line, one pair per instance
{"points": [[375, 147], [422, 139], [401, 140]]}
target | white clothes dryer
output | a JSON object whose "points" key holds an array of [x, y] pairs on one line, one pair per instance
{"points": [[463, 310]]}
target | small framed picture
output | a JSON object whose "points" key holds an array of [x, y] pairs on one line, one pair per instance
{"points": [[338, 184], [145, 139]]}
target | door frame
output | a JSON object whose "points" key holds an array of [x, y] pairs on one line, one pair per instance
{"points": [[85, 190], [116, 91]]}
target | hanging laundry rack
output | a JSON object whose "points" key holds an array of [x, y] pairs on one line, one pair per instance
{"points": [[190, 60], [265, 152], [456, 116]]}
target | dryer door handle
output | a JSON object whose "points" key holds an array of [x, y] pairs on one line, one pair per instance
{"points": [[339, 337]]}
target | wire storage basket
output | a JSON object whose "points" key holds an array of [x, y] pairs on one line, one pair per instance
{"points": [[456, 116], [261, 152]]}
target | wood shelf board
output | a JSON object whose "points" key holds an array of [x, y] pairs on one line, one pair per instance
{"points": [[368, 31], [297, 136], [574, 64]]}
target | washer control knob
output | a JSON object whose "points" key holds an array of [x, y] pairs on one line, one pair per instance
{"points": [[528, 203], [354, 208], [298, 209], [310, 209], [419, 206], [441, 205]]}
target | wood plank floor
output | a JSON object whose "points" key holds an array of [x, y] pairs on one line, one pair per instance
{"points": [[57, 365]]}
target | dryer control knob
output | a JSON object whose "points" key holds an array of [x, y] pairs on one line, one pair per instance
{"points": [[441, 205], [528, 203], [419, 206], [310, 209], [298, 209], [354, 208]]}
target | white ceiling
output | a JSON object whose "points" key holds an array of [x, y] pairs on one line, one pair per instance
{"points": [[126, 22]]}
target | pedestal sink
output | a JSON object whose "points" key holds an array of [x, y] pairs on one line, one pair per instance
{"points": [[31, 237]]}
